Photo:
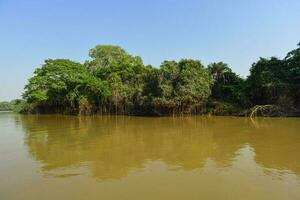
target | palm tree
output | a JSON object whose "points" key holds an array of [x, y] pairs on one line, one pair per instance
{"points": [[218, 71]]}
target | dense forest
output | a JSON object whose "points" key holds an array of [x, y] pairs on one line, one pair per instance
{"points": [[115, 82]]}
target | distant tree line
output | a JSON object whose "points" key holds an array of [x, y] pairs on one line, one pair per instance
{"points": [[5, 106], [115, 82], [14, 105]]}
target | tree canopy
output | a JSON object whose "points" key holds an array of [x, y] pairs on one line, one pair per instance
{"points": [[227, 85], [276, 81], [115, 82]]}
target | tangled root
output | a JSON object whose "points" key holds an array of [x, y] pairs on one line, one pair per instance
{"points": [[265, 110]]}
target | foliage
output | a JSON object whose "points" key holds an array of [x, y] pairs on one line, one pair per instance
{"points": [[273, 80], [292, 62], [104, 56], [227, 86], [14, 105], [59, 85], [115, 82], [178, 87], [6, 106]]}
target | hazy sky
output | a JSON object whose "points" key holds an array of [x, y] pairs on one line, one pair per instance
{"points": [[237, 32]]}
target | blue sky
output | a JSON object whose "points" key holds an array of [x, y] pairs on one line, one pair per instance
{"points": [[234, 31]]}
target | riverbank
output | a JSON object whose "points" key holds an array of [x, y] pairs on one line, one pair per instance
{"points": [[215, 109], [118, 83]]}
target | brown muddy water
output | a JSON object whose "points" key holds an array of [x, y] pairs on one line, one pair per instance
{"points": [[140, 158]]}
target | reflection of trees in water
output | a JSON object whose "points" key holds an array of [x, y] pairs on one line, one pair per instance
{"points": [[277, 142], [113, 145]]}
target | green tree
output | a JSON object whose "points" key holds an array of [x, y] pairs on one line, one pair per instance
{"points": [[108, 55], [194, 82], [268, 81], [219, 71], [178, 87], [227, 86], [59, 85], [124, 73], [292, 61]]}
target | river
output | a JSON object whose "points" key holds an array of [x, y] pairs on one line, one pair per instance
{"points": [[142, 158]]}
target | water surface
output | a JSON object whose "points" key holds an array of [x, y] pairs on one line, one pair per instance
{"points": [[134, 158]]}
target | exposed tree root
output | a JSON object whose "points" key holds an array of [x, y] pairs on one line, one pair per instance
{"points": [[265, 110]]}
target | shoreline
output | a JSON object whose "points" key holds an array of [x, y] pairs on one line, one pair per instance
{"points": [[156, 116]]}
